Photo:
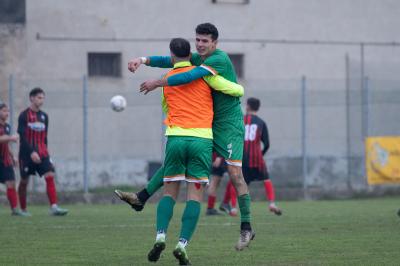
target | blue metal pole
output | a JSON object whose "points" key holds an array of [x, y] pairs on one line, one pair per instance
{"points": [[367, 108], [304, 134], [85, 136], [366, 116]]}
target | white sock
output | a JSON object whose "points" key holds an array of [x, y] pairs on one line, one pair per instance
{"points": [[53, 206], [183, 242], [160, 237]]}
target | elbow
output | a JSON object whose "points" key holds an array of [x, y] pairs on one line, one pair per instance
{"points": [[241, 91]]}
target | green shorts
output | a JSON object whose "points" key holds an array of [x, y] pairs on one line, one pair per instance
{"points": [[229, 140], [187, 159]]}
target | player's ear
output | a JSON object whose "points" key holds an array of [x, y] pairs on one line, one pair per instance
{"points": [[172, 58], [214, 44]]}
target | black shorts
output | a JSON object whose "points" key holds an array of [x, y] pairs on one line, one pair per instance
{"points": [[219, 171], [254, 174], [27, 167], [6, 173]]}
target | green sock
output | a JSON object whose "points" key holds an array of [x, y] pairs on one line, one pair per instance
{"points": [[165, 210], [190, 218], [156, 181], [244, 206]]}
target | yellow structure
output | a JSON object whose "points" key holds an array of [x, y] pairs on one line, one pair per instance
{"points": [[383, 160]]}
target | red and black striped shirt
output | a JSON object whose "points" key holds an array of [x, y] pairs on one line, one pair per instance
{"points": [[256, 131], [32, 128], [5, 153]]}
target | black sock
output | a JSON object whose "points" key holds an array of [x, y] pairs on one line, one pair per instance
{"points": [[245, 226], [143, 195]]}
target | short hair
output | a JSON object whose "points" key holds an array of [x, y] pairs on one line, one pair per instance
{"points": [[254, 104], [36, 91], [180, 47], [2, 105], [207, 29]]}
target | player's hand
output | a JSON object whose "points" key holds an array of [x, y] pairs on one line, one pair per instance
{"points": [[35, 157], [134, 64], [14, 138], [217, 162], [151, 85]]}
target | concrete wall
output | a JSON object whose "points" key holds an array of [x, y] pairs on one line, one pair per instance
{"points": [[272, 72]]}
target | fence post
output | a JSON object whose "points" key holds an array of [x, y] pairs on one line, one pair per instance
{"points": [[304, 134], [85, 136], [367, 108], [11, 103], [11, 100], [366, 119], [348, 124]]}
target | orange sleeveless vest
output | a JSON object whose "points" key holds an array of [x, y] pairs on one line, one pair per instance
{"points": [[189, 105]]}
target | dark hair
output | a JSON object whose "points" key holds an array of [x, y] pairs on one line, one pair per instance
{"points": [[35, 91], [2, 105], [207, 29], [253, 103], [180, 47]]}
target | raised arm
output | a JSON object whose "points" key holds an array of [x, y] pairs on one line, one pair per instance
{"points": [[153, 61]]}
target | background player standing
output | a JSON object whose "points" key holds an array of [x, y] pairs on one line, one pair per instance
{"points": [[254, 166], [7, 161], [218, 171], [33, 153]]}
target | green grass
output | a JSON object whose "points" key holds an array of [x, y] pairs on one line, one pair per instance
{"points": [[351, 232]]}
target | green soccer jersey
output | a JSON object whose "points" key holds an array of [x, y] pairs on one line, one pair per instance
{"points": [[226, 107]]}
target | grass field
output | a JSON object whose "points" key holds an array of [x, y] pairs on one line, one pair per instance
{"points": [[351, 232]]}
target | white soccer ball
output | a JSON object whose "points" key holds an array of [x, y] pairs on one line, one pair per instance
{"points": [[118, 103]]}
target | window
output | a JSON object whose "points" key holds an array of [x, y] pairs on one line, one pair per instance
{"points": [[12, 11], [104, 64], [237, 61], [244, 2]]}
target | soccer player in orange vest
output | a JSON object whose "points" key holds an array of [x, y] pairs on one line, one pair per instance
{"points": [[188, 153], [228, 127]]}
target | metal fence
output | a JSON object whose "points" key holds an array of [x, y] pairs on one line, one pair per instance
{"points": [[317, 129]]}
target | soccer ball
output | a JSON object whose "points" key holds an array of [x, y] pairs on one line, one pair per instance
{"points": [[118, 103]]}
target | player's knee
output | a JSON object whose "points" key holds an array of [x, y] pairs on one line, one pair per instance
{"points": [[211, 190], [234, 170], [10, 184], [235, 174], [49, 175], [195, 192], [237, 181], [24, 181], [171, 189]]}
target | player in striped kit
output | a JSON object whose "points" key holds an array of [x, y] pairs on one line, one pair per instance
{"points": [[7, 161], [33, 153], [254, 167]]}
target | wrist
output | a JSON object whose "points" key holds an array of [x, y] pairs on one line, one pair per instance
{"points": [[143, 59], [162, 82]]}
